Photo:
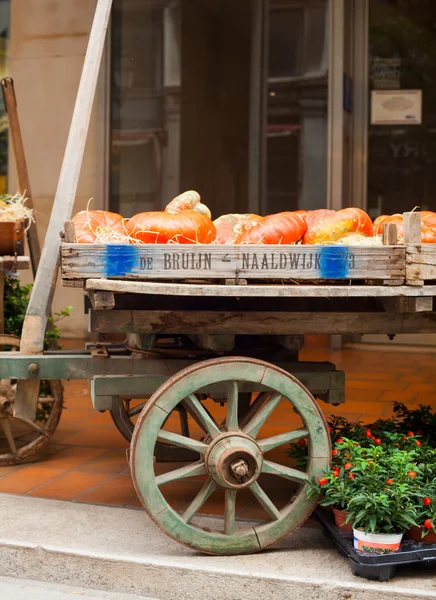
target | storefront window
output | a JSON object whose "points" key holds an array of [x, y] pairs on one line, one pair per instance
{"points": [[402, 59], [4, 45], [183, 116]]}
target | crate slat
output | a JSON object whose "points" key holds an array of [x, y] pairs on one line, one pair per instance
{"points": [[152, 262]]}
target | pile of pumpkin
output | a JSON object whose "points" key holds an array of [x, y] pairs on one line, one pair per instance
{"points": [[186, 220]]}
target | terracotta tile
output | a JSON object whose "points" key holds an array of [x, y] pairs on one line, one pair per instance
{"points": [[72, 457], [118, 491], [98, 419], [97, 437], [112, 461], [27, 479], [69, 485], [9, 470], [73, 416]]}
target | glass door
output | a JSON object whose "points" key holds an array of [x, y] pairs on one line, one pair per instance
{"points": [[244, 101]]}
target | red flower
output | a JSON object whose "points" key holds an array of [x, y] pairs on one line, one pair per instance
{"points": [[323, 481], [411, 474], [351, 476], [390, 481], [418, 443], [348, 466], [427, 501], [428, 524], [339, 441], [410, 434]]}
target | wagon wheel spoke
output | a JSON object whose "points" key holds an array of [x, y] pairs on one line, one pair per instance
{"points": [[136, 410], [255, 424], [184, 425], [230, 512], [204, 417], [6, 426], [265, 501], [232, 406], [270, 443], [31, 424], [197, 468], [206, 491], [273, 468], [182, 441], [194, 416], [255, 406]]}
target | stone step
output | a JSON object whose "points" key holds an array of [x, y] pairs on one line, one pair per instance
{"points": [[120, 550]]}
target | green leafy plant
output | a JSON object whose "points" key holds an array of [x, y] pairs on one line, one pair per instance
{"points": [[375, 484], [16, 299]]}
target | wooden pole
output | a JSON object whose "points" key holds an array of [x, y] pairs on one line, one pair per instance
{"points": [[35, 323], [24, 189]]}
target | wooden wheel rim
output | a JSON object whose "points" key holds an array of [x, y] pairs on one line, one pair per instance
{"points": [[189, 381]]}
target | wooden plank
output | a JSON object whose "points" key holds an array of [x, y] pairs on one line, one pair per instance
{"points": [[2, 302], [260, 323], [102, 300], [298, 262], [406, 304], [389, 234], [15, 263], [70, 233], [35, 323], [255, 290], [412, 228], [420, 263]]}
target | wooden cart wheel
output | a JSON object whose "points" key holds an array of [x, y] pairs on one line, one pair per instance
{"points": [[232, 457], [21, 439], [125, 413]]}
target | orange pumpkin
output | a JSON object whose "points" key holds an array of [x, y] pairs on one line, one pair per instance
{"points": [[186, 227], [428, 226], [331, 226], [188, 201], [229, 227], [281, 228], [97, 225]]}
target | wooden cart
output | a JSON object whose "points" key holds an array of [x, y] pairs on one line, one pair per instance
{"points": [[214, 322]]}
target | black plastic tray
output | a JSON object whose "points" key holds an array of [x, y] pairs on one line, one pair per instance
{"points": [[379, 568]]}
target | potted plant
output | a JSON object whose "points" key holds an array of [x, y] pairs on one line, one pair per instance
{"points": [[372, 482], [425, 499], [383, 508]]}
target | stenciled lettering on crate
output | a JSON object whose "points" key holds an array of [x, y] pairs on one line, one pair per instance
{"points": [[274, 262]]}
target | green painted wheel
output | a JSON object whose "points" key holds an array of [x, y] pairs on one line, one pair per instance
{"points": [[233, 455]]}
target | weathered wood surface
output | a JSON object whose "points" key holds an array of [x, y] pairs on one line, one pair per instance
{"points": [[260, 323], [142, 262], [420, 263], [14, 263], [38, 310], [153, 288]]}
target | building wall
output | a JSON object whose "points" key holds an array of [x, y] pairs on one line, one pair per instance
{"points": [[48, 45]]}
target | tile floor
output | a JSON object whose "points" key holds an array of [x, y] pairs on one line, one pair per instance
{"points": [[86, 459]]}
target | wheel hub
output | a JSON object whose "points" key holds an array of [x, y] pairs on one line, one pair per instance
{"points": [[234, 461]]}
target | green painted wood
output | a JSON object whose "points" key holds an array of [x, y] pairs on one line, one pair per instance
{"points": [[272, 468], [255, 425], [232, 423], [182, 441], [272, 442], [194, 405], [182, 473], [265, 501], [230, 512], [246, 539], [206, 491]]}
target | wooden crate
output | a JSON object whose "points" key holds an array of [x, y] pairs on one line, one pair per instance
{"points": [[216, 262]]}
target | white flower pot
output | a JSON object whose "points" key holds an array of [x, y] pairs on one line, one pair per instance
{"points": [[377, 543]]}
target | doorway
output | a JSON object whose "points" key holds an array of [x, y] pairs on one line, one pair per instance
{"points": [[244, 101]]}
